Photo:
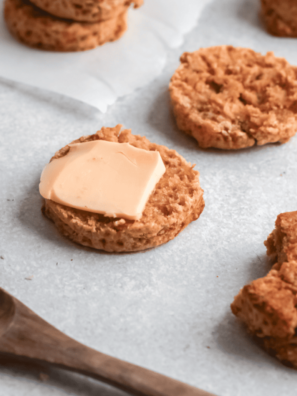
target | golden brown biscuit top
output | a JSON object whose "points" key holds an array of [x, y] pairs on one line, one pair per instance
{"points": [[237, 77]]}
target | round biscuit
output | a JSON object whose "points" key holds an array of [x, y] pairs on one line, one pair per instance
{"points": [[38, 29], [176, 201], [232, 98], [86, 11]]}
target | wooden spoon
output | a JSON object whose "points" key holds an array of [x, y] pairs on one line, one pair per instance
{"points": [[26, 335]]}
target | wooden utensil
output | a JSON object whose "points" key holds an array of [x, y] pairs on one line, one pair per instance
{"points": [[25, 335]]}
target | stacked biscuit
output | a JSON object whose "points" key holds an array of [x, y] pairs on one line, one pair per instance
{"points": [[67, 25]]}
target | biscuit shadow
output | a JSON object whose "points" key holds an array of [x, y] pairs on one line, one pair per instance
{"points": [[38, 374], [33, 220], [56, 100], [259, 267], [250, 12], [232, 338], [231, 335], [236, 152], [232, 21], [161, 118]]}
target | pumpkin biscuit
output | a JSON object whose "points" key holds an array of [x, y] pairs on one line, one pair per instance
{"points": [[232, 98], [280, 17], [86, 11], [281, 244], [176, 201], [268, 306], [38, 29]]}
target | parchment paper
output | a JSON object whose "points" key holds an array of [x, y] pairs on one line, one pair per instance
{"points": [[100, 76]]}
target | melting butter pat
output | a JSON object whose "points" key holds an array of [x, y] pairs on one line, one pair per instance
{"points": [[114, 179]]}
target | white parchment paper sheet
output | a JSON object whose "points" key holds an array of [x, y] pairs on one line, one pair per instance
{"points": [[100, 76]]}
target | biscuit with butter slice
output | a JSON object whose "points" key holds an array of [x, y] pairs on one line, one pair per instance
{"points": [[268, 306], [130, 196]]}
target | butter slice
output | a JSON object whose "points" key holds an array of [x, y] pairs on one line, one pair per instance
{"points": [[114, 179]]}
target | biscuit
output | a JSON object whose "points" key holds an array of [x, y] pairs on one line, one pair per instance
{"points": [[268, 306], [176, 201], [86, 11], [38, 29], [280, 17], [281, 244], [232, 98]]}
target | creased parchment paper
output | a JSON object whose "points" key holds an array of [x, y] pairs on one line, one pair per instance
{"points": [[98, 77]]}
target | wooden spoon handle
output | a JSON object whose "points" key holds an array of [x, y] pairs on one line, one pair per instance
{"points": [[29, 336], [134, 379]]}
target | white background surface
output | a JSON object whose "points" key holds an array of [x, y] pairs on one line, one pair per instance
{"points": [[167, 309]]}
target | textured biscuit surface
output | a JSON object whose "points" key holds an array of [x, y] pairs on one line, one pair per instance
{"points": [[282, 242], [231, 98], [176, 201], [268, 306], [280, 17], [86, 11], [38, 29]]}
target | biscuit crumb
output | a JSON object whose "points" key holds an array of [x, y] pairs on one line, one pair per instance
{"points": [[29, 277]]}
